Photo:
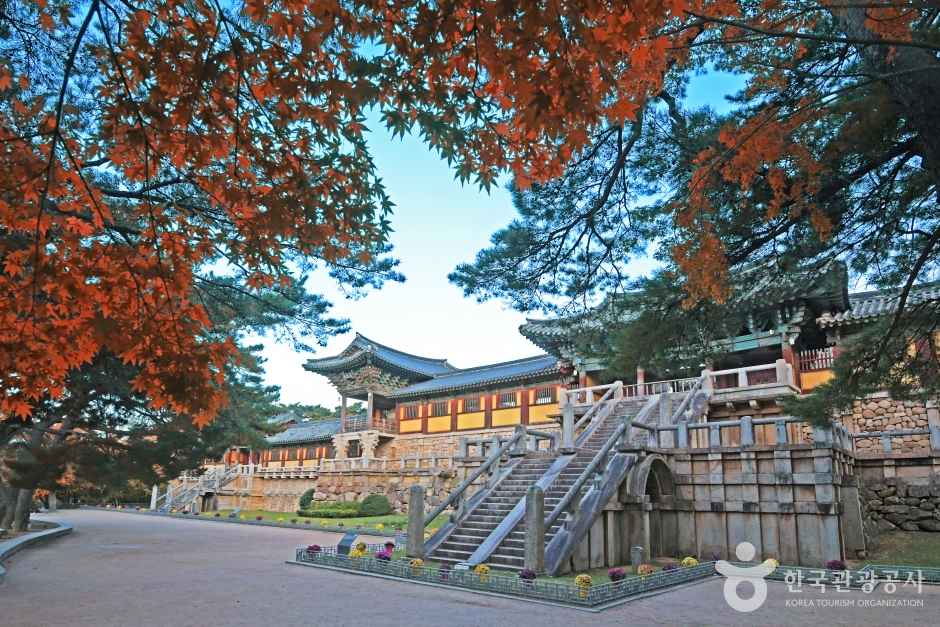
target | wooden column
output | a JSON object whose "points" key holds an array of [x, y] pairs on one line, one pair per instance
{"points": [[524, 406], [342, 413]]}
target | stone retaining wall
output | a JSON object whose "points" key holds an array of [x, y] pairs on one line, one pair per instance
{"points": [[283, 495], [901, 493], [879, 412]]}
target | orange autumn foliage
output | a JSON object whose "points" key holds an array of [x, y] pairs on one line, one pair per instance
{"points": [[257, 128]]}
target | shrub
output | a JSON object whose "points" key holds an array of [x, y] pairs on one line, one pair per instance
{"points": [[835, 565], [527, 574], [671, 566], [483, 572], [314, 548], [259, 517], [645, 570], [617, 574], [383, 556], [689, 562], [375, 505], [218, 515], [306, 499], [328, 513], [293, 521]]}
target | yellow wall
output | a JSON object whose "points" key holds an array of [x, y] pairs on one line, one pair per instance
{"points": [[410, 426], [438, 424], [809, 380], [540, 413], [476, 420], [507, 416]]}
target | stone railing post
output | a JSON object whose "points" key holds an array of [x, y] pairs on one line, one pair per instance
{"points": [[747, 431], [822, 437], [463, 448], [154, 494], [626, 441], [682, 435], [933, 424], [567, 428], [742, 378], [782, 371], [518, 449], [535, 529], [707, 384], [53, 502], [415, 547]]}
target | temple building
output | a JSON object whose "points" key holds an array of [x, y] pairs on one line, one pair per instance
{"points": [[421, 413]]}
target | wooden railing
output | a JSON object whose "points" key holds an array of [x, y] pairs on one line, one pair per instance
{"points": [[816, 359], [361, 423]]}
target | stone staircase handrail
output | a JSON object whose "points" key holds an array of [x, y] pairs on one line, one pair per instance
{"points": [[492, 460], [614, 391], [622, 432]]}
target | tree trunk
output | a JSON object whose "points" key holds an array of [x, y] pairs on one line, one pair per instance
{"points": [[913, 78], [7, 506], [23, 502]]}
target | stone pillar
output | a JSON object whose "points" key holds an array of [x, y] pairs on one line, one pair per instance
{"points": [[415, 547], [707, 384], [567, 428], [342, 413], [53, 502], [640, 380], [154, 493], [370, 409], [535, 529]]}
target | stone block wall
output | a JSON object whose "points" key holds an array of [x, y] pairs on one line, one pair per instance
{"points": [[797, 504], [900, 494], [283, 495], [879, 412]]}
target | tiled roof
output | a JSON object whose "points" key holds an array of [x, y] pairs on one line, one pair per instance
{"points": [[823, 286], [282, 418], [867, 306], [313, 431], [362, 350], [483, 376]]}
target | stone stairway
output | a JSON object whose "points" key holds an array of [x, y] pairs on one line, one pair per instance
{"points": [[509, 554]]}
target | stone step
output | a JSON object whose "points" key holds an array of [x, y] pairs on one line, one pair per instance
{"points": [[459, 546], [467, 538], [506, 561], [459, 556]]}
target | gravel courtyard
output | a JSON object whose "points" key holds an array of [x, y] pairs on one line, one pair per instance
{"points": [[126, 569]]}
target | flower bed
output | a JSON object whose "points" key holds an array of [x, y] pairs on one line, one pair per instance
{"points": [[492, 581]]}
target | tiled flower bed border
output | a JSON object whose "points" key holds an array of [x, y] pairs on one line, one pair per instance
{"points": [[550, 591], [600, 595], [366, 531]]}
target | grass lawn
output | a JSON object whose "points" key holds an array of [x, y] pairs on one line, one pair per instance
{"points": [[389, 521], [905, 548]]}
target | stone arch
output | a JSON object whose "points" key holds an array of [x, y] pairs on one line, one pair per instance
{"points": [[652, 485]]}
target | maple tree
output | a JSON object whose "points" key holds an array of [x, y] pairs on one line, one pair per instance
{"points": [[145, 141]]}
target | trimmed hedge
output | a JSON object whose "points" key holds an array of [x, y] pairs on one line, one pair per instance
{"points": [[328, 513], [307, 498], [375, 505]]}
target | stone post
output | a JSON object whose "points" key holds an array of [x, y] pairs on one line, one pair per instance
{"points": [[535, 529], [342, 413], [783, 372], [707, 383], [682, 435], [462, 447], [933, 423], [370, 409], [415, 547], [567, 428], [154, 493], [53, 502], [747, 431], [636, 557]]}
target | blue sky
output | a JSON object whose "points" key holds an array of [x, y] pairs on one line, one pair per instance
{"points": [[438, 223]]}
